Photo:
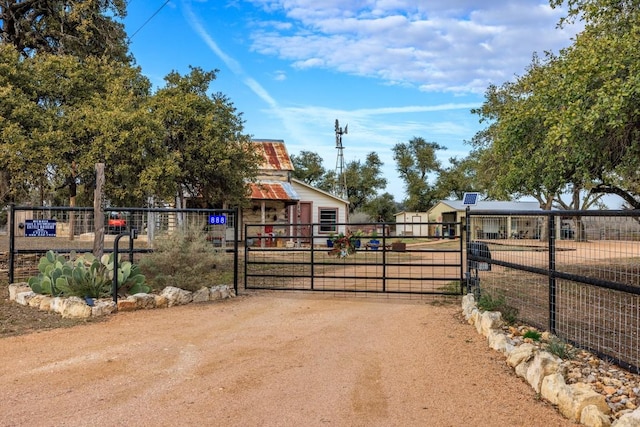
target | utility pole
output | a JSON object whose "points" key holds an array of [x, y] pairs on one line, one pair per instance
{"points": [[340, 186]]}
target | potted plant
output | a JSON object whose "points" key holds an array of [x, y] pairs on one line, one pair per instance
{"points": [[374, 243], [330, 240], [343, 245], [399, 246], [357, 236]]}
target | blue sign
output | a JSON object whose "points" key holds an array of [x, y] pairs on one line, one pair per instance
{"points": [[40, 228], [217, 219]]}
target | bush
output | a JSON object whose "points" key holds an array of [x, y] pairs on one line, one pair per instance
{"points": [[561, 349], [186, 260]]}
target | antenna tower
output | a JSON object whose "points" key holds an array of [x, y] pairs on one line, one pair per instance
{"points": [[340, 187]]}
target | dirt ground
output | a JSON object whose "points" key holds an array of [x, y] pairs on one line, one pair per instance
{"points": [[267, 359]]}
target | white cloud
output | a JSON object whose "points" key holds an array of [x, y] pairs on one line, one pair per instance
{"points": [[445, 45]]}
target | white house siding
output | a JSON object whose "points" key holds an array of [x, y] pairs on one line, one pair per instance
{"points": [[319, 200], [412, 224]]}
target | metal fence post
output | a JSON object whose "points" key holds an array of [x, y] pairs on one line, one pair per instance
{"points": [[552, 278], [12, 236]]}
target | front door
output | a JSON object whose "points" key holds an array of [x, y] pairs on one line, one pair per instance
{"points": [[303, 222]]}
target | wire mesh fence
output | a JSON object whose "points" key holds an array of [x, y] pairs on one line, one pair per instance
{"points": [[576, 274], [33, 231]]}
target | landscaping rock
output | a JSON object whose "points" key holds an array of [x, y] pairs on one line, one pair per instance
{"points": [[75, 307], [573, 399], [23, 298], [592, 417], [201, 295], [176, 296], [628, 420], [16, 288]]}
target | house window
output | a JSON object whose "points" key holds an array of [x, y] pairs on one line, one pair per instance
{"points": [[328, 220]]}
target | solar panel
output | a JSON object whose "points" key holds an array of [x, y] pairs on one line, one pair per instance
{"points": [[470, 199]]}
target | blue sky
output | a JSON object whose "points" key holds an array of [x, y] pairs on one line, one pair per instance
{"points": [[389, 69]]}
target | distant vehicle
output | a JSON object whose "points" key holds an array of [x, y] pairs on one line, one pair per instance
{"points": [[116, 223]]}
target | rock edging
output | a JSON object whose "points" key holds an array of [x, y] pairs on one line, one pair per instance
{"points": [[545, 373], [75, 307]]}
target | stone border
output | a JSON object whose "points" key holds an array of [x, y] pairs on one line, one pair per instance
{"points": [[75, 307], [545, 373]]}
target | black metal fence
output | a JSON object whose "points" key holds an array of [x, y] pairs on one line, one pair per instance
{"points": [[309, 257], [32, 231], [573, 273]]}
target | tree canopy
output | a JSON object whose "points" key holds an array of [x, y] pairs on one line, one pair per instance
{"points": [[70, 97], [80, 28], [570, 124], [415, 160]]}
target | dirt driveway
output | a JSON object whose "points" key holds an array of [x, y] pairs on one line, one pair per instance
{"points": [[267, 360]]}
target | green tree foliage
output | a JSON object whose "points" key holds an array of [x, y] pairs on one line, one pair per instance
{"points": [[203, 150], [460, 177], [570, 124], [363, 180], [81, 28], [381, 208], [308, 168], [61, 115], [415, 160]]}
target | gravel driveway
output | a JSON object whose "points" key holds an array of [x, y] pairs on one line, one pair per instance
{"points": [[267, 360]]}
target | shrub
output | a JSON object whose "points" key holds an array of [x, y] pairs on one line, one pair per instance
{"points": [[184, 259], [532, 334], [561, 349]]}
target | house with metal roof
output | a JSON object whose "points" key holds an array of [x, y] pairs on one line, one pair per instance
{"points": [[284, 206], [445, 217]]}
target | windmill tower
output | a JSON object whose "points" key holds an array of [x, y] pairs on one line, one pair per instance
{"points": [[340, 185]]}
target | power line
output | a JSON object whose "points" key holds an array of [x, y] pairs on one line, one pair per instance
{"points": [[150, 18]]}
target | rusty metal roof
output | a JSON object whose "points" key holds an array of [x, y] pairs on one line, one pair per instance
{"points": [[273, 190], [274, 153]]}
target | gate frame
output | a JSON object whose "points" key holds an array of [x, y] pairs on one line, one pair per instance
{"points": [[316, 246]]}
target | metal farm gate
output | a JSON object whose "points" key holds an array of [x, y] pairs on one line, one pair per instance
{"points": [[308, 257]]}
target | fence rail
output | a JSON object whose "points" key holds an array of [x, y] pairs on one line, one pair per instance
{"points": [[575, 273]]}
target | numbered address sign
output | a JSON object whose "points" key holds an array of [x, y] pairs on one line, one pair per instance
{"points": [[217, 219]]}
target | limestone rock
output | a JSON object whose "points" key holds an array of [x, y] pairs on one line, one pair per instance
{"points": [[592, 417], [220, 292], [45, 303], [551, 387], [201, 295], [127, 304], [57, 304], [23, 298], [75, 307], [573, 399], [36, 300], [543, 364], [16, 288], [161, 301], [490, 320], [520, 354], [468, 304], [143, 301], [497, 340], [176, 296], [628, 420], [102, 308]]}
